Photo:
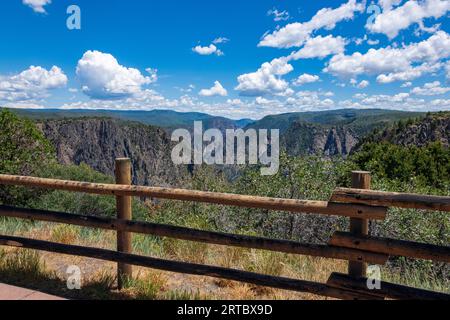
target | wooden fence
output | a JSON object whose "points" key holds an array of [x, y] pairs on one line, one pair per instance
{"points": [[356, 246]]}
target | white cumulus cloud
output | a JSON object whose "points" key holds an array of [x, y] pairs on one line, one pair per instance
{"points": [[206, 51], [410, 73], [221, 40], [266, 80], [391, 22], [447, 69], [387, 5], [305, 78], [102, 77], [235, 102], [295, 34], [278, 15], [216, 90], [406, 84], [430, 89], [320, 47], [363, 84], [33, 83], [392, 64], [37, 5]]}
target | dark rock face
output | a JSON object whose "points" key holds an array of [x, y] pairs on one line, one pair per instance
{"points": [[430, 129], [305, 138], [340, 141], [435, 127], [98, 142]]}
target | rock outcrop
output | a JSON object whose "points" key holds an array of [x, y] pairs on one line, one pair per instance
{"points": [[98, 141], [435, 127], [306, 138]]}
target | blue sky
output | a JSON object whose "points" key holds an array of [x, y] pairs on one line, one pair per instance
{"points": [[232, 58]]}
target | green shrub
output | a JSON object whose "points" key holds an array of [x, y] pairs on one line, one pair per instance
{"points": [[80, 203], [427, 166], [23, 150]]}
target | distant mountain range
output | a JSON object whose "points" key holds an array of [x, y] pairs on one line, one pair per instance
{"points": [[167, 119], [334, 132], [362, 121]]}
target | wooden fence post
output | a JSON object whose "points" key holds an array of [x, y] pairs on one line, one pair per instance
{"points": [[360, 180], [123, 206]]}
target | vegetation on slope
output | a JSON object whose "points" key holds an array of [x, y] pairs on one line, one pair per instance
{"points": [[25, 151], [328, 133], [421, 166], [361, 121], [395, 168]]}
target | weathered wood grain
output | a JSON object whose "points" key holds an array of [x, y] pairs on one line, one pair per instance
{"points": [[188, 268], [292, 205], [392, 199], [183, 233], [387, 289], [392, 246]]}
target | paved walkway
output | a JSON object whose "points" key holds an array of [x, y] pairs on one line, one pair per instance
{"points": [[8, 292]]}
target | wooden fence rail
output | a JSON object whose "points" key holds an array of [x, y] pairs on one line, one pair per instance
{"points": [[291, 205], [357, 247], [392, 199], [392, 247], [188, 268], [183, 233], [387, 289]]}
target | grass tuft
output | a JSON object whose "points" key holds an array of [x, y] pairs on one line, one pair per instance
{"points": [[64, 233]]}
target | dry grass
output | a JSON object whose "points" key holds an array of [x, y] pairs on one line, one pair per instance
{"points": [[64, 234], [46, 271]]}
